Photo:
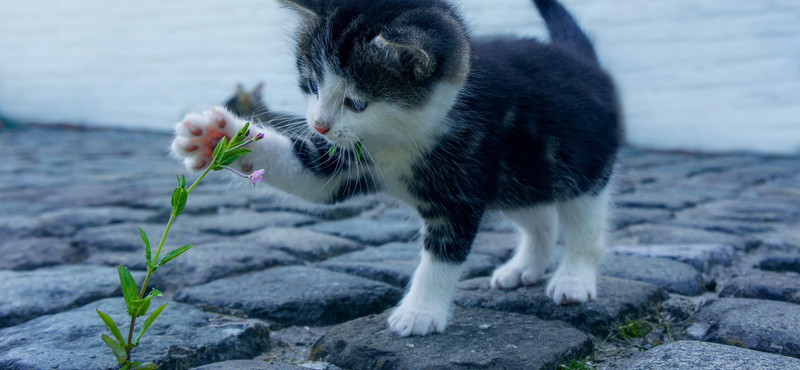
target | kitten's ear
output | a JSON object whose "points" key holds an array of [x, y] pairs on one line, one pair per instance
{"points": [[309, 9], [240, 89], [408, 51]]}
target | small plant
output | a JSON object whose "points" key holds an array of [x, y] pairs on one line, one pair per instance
{"points": [[635, 329], [357, 148], [138, 304], [577, 365]]}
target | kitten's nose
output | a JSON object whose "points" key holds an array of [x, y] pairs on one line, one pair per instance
{"points": [[322, 127]]}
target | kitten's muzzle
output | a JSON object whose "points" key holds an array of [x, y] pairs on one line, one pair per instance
{"points": [[322, 127]]}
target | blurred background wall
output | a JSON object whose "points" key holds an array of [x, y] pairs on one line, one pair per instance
{"points": [[694, 74]]}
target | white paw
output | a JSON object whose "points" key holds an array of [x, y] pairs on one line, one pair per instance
{"points": [[566, 288], [197, 136], [512, 275], [407, 321]]}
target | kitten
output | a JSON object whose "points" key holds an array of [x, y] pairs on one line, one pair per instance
{"points": [[403, 101]]}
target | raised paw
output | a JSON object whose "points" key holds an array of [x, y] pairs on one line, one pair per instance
{"points": [[512, 275], [407, 321], [566, 288], [197, 136]]}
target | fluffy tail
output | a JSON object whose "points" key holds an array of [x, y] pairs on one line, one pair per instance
{"points": [[564, 31]]}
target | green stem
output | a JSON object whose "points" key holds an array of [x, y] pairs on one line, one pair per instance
{"points": [[130, 339], [150, 269], [199, 178]]}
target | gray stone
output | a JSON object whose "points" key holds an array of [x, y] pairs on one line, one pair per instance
{"points": [[746, 210], [243, 221], [207, 262], [781, 262], [496, 222], [293, 296], [293, 344], [301, 243], [248, 365], [393, 211], [786, 238], [65, 221], [499, 245], [618, 300], [673, 276], [29, 294], [474, 339], [764, 285], [692, 355], [757, 324], [19, 226], [282, 202], [197, 204], [670, 234], [736, 228], [394, 263], [203, 263], [180, 338], [625, 217], [368, 231], [134, 261], [679, 308], [32, 253], [125, 237], [701, 256], [753, 175], [671, 200]]}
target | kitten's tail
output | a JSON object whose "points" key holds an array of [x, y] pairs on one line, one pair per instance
{"points": [[564, 31]]}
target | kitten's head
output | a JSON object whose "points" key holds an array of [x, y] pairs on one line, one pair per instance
{"points": [[378, 69]]}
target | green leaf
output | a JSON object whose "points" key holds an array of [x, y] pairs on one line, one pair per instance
{"points": [[171, 255], [116, 349], [179, 196], [147, 255], [233, 155], [221, 146], [183, 181], [357, 148], [111, 326], [129, 290], [148, 366], [153, 293], [331, 150], [140, 307], [240, 136], [147, 323]]}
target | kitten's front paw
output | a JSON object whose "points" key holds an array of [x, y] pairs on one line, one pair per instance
{"points": [[512, 274], [407, 321], [198, 135], [566, 288]]}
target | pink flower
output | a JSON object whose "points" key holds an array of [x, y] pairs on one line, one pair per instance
{"points": [[256, 176], [258, 137]]}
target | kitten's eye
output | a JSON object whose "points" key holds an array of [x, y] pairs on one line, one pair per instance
{"points": [[313, 87], [357, 106]]}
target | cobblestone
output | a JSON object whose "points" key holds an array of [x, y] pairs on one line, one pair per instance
{"points": [[718, 232]]}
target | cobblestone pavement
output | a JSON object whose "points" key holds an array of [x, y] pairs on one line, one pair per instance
{"points": [[701, 271]]}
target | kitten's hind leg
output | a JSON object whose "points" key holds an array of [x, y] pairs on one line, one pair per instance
{"points": [[539, 226], [583, 223]]}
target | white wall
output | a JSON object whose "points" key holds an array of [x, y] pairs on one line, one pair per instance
{"points": [[694, 74]]}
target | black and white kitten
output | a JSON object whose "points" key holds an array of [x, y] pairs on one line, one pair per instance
{"points": [[452, 126]]}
